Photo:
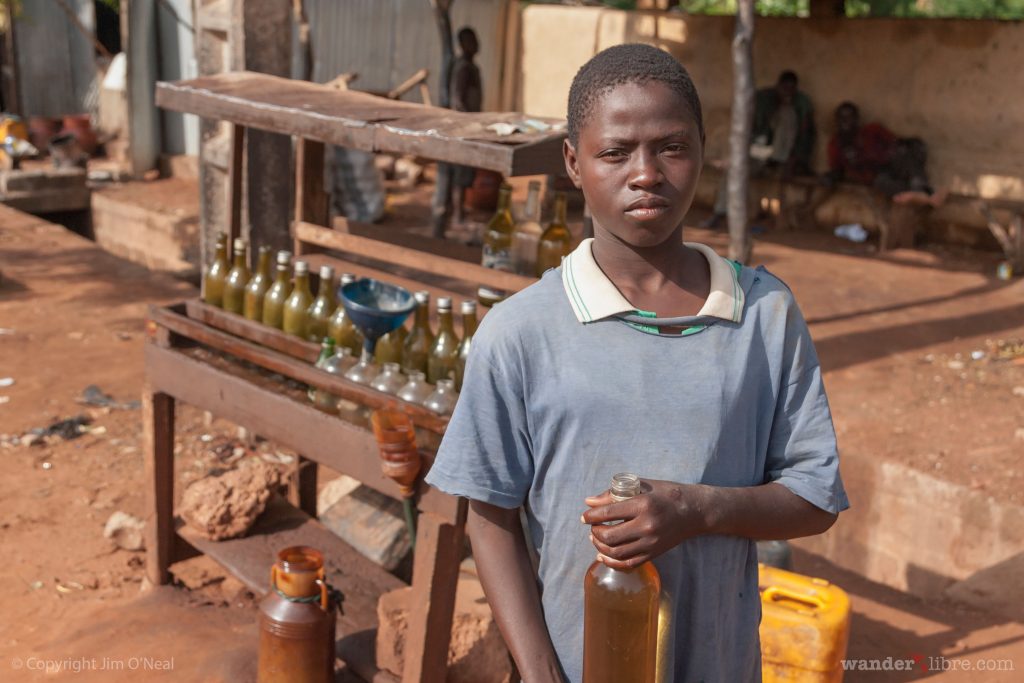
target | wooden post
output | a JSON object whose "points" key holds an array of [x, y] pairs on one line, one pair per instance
{"points": [[158, 454], [441, 202], [302, 487], [236, 172], [311, 200], [435, 576], [740, 246]]}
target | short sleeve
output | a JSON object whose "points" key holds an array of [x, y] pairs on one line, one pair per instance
{"points": [[802, 452], [485, 454]]}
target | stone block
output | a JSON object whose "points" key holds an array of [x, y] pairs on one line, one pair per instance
{"points": [[370, 522], [42, 181], [477, 651]]}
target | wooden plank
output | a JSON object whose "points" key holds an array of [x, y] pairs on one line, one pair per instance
{"points": [[403, 238], [306, 485], [236, 174], [366, 122], [434, 579], [158, 463], [305, 373], [282, 525], [329, 440], [450, 288], [259, 333], [410, 258]]}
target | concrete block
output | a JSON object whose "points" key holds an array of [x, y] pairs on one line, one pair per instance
{"points": [[42, 181], [477, 651], [372, 523]]}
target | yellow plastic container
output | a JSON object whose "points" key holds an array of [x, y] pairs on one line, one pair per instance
{"points": [[805, 625]]}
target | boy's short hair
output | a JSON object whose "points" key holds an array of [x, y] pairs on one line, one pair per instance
{"points": [[629, 63]]}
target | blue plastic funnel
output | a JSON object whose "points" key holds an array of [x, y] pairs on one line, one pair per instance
{"points": [[376, 308]]}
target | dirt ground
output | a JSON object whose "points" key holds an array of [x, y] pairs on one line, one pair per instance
{"points": [[895, 334]]}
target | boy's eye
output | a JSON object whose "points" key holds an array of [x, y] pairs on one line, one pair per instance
{"points": [[612, 155], [675, 148]]}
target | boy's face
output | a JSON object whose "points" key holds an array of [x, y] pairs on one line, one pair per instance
{"points": [[637, 160]]}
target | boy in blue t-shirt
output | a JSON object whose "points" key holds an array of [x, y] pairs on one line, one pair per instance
{"points": [[646, 354]]}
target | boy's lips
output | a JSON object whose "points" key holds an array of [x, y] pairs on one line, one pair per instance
{"points": [[647, 208]]}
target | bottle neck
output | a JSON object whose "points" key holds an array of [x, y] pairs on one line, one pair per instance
{"points": [[326, 290], [283, 273], [560, 203], [302, 283], [422, 316], [263, 268], [469, 324], [504, 199], [445, 323], [533, 204], [240, 259], [221, 254]]}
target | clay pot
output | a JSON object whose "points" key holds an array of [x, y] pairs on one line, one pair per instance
{"points": [[482, 195], [40, 130], [79, 126]]}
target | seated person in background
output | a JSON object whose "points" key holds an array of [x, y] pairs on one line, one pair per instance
{"points": [[466, 95], [872, 155], [782, 137]]}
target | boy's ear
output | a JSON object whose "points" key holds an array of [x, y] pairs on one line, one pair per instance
{"points": [[571, 163]]}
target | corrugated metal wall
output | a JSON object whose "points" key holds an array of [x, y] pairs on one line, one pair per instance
{"points": [[56, 66], [386, 41]]}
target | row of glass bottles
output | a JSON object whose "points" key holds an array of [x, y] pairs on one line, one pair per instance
{"points": [[389, 379], [523, 247]]}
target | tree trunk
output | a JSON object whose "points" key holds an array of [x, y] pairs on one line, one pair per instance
{"points": [[441, 205], [740, 246]]}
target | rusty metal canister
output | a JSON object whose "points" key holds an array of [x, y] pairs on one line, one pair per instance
{"points": [[297, 620]]}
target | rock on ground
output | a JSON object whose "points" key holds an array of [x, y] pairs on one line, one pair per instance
{"points": [[477, 651], [226, 505], [126, 531]]}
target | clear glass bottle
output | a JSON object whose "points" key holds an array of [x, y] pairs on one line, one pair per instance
{"points": [[417, 346], [364, 371], [620, 614], [469, 324], [416, 390], [556, 242], [237, 279], [527, 234], [216, 273], [322, 308], [445, 349], [277, 295], [294, 321], [497, 248], [390, 379], [256, 288], [328, 403], [340, 326], [442, 401]]}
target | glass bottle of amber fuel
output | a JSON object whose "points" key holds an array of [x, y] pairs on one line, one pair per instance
{"points": [[620, 614]]}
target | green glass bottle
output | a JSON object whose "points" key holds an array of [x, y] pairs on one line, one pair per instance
{"points": [[237, 279], [390, 346], [556, 241], [294, 320], [322, 308], [468, 330], [340, 327], [445, 349], [417, 345], [329, 404], [256, 289], [277, 295], [213, 278], [497, 249]]}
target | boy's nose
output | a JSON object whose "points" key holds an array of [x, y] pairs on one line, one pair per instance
{"points": [[644, 172]]}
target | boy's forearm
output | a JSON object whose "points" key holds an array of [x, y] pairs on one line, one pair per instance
{"points": [[766, 512], [503, 564]]}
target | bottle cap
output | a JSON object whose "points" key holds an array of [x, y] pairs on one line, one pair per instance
{"points": [[239, 245], [444, 303], [301, 268], [263, 249], [284, 257], [326, 272], [468, 307], [422, 297], [347, 278]]}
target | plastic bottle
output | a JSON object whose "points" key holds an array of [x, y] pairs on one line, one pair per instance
{"points": [[620, 614]]}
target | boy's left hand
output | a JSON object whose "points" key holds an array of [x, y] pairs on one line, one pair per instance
{"points": [[648, 525]]}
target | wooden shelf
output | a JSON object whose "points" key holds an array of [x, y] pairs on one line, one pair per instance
{"points": [[368, 122], [281, 526]]}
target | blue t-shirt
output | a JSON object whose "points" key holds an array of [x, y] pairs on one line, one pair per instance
{"points": [[551, 408]]}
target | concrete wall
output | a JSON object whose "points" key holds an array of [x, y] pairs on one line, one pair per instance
{"points": [[957, 84]]}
